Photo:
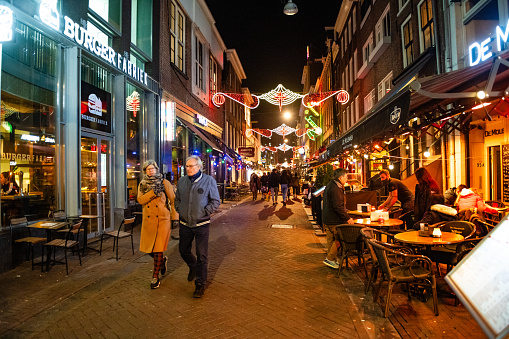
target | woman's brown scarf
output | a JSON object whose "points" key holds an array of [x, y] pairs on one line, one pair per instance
{"points": [[150, 182]]}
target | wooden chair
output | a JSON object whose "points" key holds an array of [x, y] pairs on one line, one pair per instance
{"points": [[67, 243], [352, 243], [409, 270], [120, 233], [21, 224]]}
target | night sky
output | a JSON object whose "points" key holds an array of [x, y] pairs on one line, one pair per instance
{"points": [[271, 45]]}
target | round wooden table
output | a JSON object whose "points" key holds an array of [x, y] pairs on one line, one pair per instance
{"points": [[375, 224], [414, 238]]}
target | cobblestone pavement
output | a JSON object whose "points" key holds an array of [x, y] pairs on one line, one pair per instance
{"points": [[263, 282]]}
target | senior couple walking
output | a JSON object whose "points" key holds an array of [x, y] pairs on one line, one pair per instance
{"points": [[195, 199]]}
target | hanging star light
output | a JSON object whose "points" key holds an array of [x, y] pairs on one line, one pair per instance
{"points": [[281, 96], [284, 147], [283, 130]]}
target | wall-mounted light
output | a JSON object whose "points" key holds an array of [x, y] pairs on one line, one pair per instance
{"points": [[290, 8], [426, 153]]}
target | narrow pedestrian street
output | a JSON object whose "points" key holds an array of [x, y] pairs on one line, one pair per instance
{"points": [[266, 279]]}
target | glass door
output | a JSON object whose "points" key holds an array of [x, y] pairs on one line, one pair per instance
{"points": [[95, 181], [495, 173]]}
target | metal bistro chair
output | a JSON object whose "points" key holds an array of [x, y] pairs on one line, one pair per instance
{"points": [[120, 234], [21, 224], [351, 244], [449, 254], [409, 270], [67, 243], [371, 233]]}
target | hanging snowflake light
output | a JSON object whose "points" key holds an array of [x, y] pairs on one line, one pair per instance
{"points": [[284, 147], [281, 96], [283, 130]]}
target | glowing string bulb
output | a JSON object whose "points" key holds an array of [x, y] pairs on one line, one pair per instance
{"points": [[391, 166], [426, 153], [366, 156]]}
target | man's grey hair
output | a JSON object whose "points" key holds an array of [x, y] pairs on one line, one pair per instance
{"points": [[339, 172], [198, 161]]}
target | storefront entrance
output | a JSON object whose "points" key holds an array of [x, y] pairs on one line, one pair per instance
{"points": [[96, 181]]}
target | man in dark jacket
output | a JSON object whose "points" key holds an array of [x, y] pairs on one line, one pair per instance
{"points": [[274, 181], [195, 200], [334, 213]]}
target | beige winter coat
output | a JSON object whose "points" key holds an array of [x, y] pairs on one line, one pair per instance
{"points": [[156, 225]]}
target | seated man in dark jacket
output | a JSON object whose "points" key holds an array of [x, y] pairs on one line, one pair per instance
{"points": [[334, 213]]}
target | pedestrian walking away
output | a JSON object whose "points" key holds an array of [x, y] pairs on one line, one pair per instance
{"points": [[285, 180], [155, 194], [196, 199], [274, 181], [255, 184], [334, 213]]}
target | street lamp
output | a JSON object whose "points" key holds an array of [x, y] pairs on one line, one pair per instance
{"points": [[287, 115], [290, 8]]}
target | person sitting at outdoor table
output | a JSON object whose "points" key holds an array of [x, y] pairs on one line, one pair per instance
{"points": [[397, 191], [468, 199], [427, 193]]}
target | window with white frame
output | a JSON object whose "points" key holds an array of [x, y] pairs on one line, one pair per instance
{"points": [[384, 86], [367, 48], [369, 101], [426, 24], [383, 26], [408, 40], [199, 63], [177, 38], [402, 3], [355, 64], [212, 76]]}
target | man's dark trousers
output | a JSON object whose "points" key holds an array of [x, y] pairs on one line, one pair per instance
{"points": [[200, 262]]}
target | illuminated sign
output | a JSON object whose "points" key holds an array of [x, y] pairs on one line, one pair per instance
{"points": [[133, 102], [28, 137], [49, 14], [479, 52], [168, 119], [6, 21], [202, 120], [95, 105], [87, 40]]}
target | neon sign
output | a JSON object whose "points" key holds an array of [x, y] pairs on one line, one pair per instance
{"points": [[479, 52], [49, 14], [202, 120], [6, 20]]}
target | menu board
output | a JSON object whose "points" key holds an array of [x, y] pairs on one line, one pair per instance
{"points": [[505, 172], [481, 281]]}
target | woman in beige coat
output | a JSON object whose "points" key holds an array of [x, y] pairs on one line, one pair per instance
{"points": [[153, 191]]}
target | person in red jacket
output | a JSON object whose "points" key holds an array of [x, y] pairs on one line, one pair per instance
{"points": [[469, 199]]}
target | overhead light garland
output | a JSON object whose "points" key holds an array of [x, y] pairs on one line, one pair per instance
{"points": [[280, 96], [284, 130], [283, 147]]}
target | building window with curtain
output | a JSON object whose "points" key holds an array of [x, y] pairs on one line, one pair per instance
{"points": [[177, 38], [426, 24], [408, 40], [141, 25], [109, 10]]}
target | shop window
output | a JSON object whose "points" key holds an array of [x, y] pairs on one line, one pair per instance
{"points": [[141, 25], [95, 74], [426, 25], [135, 102], [408, 40], [109, 10], [29, 91], [177, 38]]}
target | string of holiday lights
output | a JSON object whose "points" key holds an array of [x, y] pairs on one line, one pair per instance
{"points": [[283, 147], [284, 130], [315, 99], [219, 99]]}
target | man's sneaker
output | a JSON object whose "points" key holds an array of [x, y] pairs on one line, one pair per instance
{"points": [[198, 292], [155, 283], [164, 267], [331, 264]]}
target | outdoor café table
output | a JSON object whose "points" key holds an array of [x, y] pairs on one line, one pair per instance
{"points": [[85, 241], [391, 223], [355, 213], [49, 226], [414, 238]]}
